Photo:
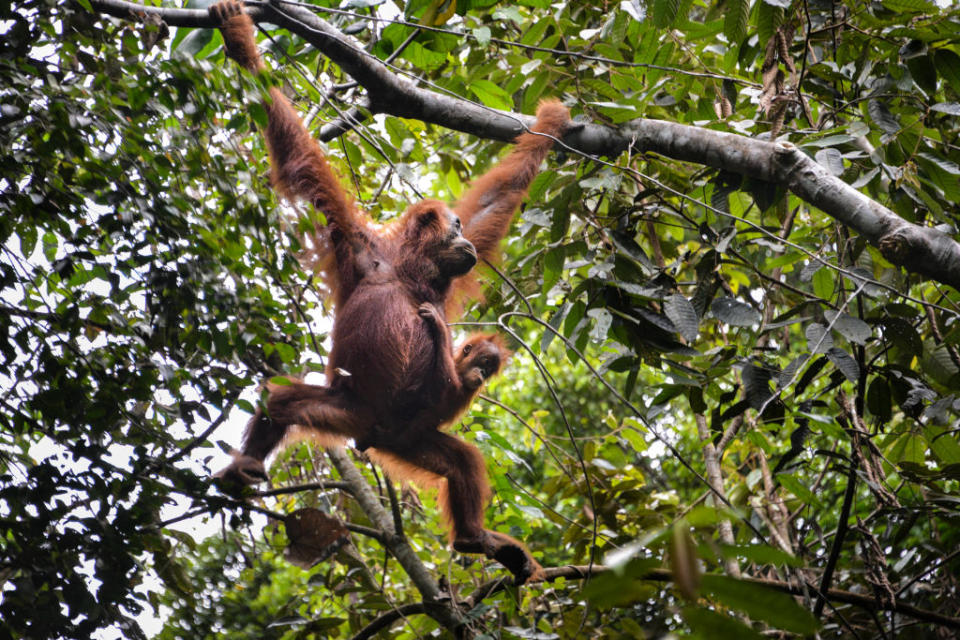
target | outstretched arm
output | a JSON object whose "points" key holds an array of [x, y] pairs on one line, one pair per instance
{"points": [[488, 206], [300, 169]]}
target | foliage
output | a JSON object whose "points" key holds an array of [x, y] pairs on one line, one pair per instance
{"points": [[658, 310]]}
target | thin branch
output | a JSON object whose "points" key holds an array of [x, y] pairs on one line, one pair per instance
{"points": [[528, 47], [933, 567], [326, 485], [395, 507], [384, 621], [202, 437], [370, 532], [842, 527]]}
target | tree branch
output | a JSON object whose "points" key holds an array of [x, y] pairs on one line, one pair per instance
{"points": [[386, 619], [369, 502], [923, 250]]}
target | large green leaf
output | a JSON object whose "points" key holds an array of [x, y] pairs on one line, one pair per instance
{"points": [[778, 609]]}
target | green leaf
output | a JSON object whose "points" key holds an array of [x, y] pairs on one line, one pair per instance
{"points": [[616, 111], [665, 12], [943, 173], [682, 315], [735, 21], [50, 245], [423, 58], [909, 448], [943, 443], [819, 339], [769, 19], [28, 240], [508, 13], [902, 334], [944, 164], [454, 184], [353, 152], [778, 609], [731, 311], [540, 184], [909, 6], [613, 588], [878, 400], [491, 95], [258, 114], [853, 329], [845, 363], [799, 489], [831, 159], [938, 363], [535, 33], [553, 260], [950, 108], [763, 553], [602, 320], [882, 117], [823, 283], [924, 73], [196, 41], [711, 625], [482, 34], [683, 560]]}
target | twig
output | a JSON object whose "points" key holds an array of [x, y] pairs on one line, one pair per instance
{"points": [[326, 485]]}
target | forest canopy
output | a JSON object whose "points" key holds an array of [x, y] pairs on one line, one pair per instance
{"points": [[732, 296]]}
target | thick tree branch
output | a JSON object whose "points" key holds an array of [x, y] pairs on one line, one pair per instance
{"points": [[922, 250]]}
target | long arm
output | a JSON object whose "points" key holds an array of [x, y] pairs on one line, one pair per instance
{"points": [[300, 169], [488, 206]]}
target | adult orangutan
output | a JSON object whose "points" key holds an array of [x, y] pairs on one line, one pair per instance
{"points": [[392, 289]]}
